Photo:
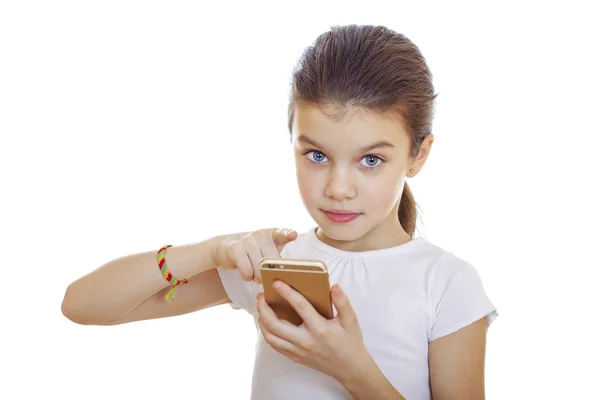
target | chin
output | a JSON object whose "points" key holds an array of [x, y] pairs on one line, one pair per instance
{"points": [[341, 232]]}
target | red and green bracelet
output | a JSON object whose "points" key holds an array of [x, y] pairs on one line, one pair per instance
{"points": [[162, 265]]}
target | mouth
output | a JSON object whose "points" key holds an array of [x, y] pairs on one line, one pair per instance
{"points": [[340, 212], [340, 216]]}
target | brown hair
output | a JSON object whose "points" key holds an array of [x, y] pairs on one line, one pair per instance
{"points": [[371, 68]]}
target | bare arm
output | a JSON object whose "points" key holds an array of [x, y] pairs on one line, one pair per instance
{"points": [[202, 291], [456, 363], [132, 288]]}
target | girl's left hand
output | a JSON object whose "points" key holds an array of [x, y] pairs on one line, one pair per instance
{"points": [[334, 347]]}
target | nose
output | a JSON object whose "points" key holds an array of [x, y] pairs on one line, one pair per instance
{"points": [[340, 185]]}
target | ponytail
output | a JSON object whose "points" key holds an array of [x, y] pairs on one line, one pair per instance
{"points": [[407, 212]]}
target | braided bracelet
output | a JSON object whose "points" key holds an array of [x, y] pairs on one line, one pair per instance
{"points": [[162, 265]]}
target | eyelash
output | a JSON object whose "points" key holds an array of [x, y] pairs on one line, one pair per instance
{"points": [[368, 155]]}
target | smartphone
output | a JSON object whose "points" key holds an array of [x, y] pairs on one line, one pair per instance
{"points": [[308, 277]]}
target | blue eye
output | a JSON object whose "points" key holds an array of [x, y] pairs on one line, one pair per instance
{"points": [[319, 156], [372, 161]]}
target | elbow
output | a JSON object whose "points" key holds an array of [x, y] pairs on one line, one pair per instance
{"points": [[71, 310]]}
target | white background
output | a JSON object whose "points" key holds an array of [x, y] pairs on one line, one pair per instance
{"points": [[128, 125]]}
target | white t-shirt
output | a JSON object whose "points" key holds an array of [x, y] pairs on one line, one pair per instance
{"points": [[404, 296]]}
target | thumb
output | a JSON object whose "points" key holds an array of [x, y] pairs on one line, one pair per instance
{"points": [[345, 313], [281, 237]]}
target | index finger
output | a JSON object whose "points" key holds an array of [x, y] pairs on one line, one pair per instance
{"points": [[270, 250]]}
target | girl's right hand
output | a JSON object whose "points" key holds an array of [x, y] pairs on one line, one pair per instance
{"points": [[244, 254]]}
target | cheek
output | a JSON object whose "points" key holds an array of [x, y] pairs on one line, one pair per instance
{"points": [[308, 184], [384, 194]]}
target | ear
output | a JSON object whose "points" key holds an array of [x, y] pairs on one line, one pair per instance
{"points": [[416, 163]]}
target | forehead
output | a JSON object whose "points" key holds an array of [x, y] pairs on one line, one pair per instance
{"points": [[355, 128]]}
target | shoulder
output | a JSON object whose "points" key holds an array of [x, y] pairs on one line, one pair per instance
{"points": [[458, 296], [446, 265], [451, 276]]}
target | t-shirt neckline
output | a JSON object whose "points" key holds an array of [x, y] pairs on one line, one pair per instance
{"points": [[314, 240]]}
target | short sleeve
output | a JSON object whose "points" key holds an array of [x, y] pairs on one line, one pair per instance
{"points": [[458, 298], [242, 293]]}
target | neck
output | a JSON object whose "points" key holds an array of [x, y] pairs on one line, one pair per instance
{"points": [[380, 237]]}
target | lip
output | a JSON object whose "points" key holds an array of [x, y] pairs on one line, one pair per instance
{"points": [[341, 216], [340, 212]]}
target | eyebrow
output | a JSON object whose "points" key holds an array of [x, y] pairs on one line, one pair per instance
{"points": [[376, 145]]}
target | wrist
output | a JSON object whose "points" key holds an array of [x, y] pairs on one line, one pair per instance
{"points": [[358, 370], [218, 247], [215, 251], [185, 261]]}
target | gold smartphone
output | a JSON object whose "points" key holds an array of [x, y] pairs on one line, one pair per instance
{"points": [[308, 277]]}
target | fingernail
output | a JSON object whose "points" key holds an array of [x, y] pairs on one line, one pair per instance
{"points": [[337, 291]]}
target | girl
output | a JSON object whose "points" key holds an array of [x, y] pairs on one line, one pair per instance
{"points": [[410, 318]]}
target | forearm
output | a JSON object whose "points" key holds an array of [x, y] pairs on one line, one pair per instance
{"points": [[120, 285], [369, 383]]}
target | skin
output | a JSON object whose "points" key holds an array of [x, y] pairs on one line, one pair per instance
{"points": [[332, 172]]}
